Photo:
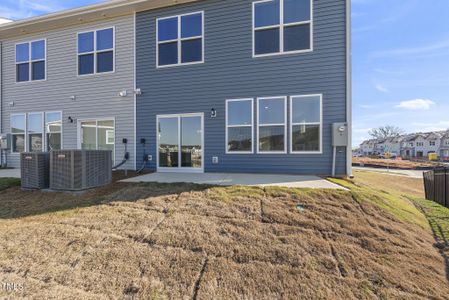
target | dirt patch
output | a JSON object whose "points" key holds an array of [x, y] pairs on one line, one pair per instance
{"points": [[155, 241], [392, 163]]}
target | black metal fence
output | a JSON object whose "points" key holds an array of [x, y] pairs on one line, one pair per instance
{"points": [[436, 184]]}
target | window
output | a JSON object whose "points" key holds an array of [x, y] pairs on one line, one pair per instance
{"points": [[53, 130], [180, 40], [34, 132], [419, 144], [239, 126], [30, 61], [97, 135], [271, 130], [96, 51], [282, 26], [432, 143], [18, 132], [306, 124]]}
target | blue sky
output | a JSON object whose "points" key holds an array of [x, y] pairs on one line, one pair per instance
{"points": [[400, 60]]}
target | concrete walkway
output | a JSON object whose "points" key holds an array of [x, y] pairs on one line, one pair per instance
{"points": [[9, 173], [228, 179]]}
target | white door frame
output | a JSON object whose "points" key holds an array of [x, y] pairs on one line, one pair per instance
{"points": [[180, 169]]}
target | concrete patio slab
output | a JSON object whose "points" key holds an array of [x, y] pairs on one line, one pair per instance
{"points": [[229, 179], [9, 173]]}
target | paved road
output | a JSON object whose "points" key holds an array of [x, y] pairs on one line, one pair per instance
{"points": [[408, 173]]}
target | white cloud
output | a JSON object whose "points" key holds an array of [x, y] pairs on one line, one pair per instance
{"points": [[416, 104], [381, 88]]}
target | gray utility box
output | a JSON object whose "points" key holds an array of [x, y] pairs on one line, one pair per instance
{"points": [[340, 134], [75, 170], [34, 170]]}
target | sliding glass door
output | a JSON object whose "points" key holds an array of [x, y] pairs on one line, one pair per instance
{"points": [[180, 143], [97, 135]]}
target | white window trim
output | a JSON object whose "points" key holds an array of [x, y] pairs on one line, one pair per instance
{"points": [[30, 61], [96, 132], [281, 27], [28, 147], [238, 126], [95, 52], [45, 128], [179, 41], [24, 133], [320, 151], [258, 151]]}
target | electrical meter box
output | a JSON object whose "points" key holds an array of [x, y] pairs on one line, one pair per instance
{"points": [[5, 141], [340, 134]]}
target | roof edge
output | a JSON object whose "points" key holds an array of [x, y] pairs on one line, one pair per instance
{"points": [[81, 15]]}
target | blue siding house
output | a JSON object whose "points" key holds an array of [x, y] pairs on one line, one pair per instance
{"points": [[243, 86], [247, 86]]}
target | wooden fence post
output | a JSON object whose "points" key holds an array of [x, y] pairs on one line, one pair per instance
{"points": [[446, 200]]}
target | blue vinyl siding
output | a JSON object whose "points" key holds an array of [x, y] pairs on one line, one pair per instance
{"points": [[230, 72]]}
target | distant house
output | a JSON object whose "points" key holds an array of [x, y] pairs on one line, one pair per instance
{"points": [[393, 145], [367, 147], [433, 141], [415, 145], [444, 148], [408, 144], [420, 145]]}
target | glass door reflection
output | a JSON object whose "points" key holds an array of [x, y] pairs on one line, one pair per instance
{"points": [[180, 142], [168, 142], [191, 142]]}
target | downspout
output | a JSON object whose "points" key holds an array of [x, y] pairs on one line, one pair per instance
{"points": [[1, 87], [1, 104], [349, 87]]}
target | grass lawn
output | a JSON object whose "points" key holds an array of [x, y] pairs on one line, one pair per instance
{"points": [[181, 241]]}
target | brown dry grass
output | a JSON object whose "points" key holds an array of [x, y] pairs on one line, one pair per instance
{"points": [[391, 183], [155, 241], [400, 164]]}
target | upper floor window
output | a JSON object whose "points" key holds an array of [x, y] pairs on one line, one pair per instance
{"points": [[180, 40], [30, 61], [282, 26], [96, 51], [432, 143]]}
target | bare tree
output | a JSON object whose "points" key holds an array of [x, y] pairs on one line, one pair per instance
{"points": [[384, 132]]}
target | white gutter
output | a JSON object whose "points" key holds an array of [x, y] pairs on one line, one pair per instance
{"points": [[349, 87]]}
